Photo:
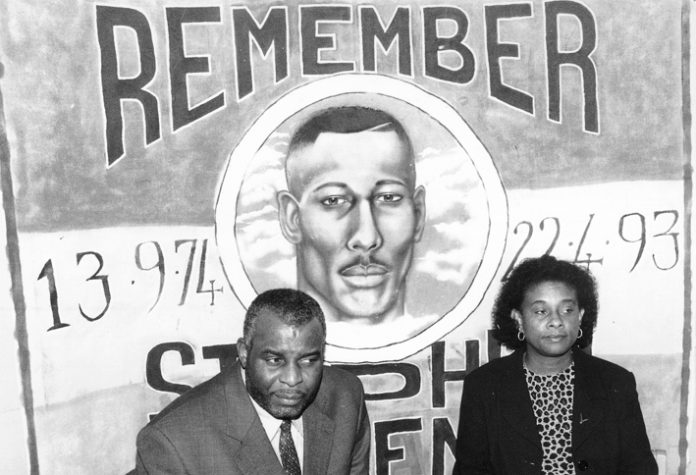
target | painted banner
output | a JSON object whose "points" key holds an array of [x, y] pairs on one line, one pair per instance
{"points": [[150, 191]]}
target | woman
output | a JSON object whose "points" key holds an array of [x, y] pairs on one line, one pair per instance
{"points": [[550, 408]]}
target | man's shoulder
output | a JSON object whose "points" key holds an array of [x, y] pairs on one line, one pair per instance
{"points": [[340, 379], [198, 405], [340, 387]]}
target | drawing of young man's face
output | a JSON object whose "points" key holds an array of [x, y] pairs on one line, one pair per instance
{"points": [[354, 214]]}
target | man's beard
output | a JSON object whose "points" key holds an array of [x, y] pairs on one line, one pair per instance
{"points": [[263, 399]]}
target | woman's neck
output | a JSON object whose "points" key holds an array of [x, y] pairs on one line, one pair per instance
{"points": [[541, 364]]}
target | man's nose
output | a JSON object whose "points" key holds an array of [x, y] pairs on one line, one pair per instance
{"points": [[291, 374], [365, 236]]}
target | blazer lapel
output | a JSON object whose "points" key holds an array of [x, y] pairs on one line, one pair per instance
{"points": [[589, 399], [318, 436], [254, 453], [515, 404]]}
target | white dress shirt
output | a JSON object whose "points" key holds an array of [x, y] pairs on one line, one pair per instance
{"points": [[272, 427]]}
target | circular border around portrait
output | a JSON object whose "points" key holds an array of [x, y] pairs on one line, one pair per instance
{"points": [[306, 95]]}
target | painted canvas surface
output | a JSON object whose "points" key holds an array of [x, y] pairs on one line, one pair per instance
{"points": [[153, 184]]}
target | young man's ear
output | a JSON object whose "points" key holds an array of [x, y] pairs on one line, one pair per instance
{"points": [[419, 207], [289, 216], [242, 352]]}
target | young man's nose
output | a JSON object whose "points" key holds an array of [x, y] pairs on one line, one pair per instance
{"points": [[365, 233]]}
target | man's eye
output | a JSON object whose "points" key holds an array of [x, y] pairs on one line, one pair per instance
{"points": [[389, 197], [309, 361], [332, 201], [274, 361]]}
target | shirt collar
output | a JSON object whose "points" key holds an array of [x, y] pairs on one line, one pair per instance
{"points": [[270, 424]]}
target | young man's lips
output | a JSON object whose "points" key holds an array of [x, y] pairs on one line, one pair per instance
{"points": [[364, 277], [364, 271]]}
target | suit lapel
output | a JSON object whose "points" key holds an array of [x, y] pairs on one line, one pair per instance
{"points": [[589, 399], [318, 436], [515, 404], [254, 453]]}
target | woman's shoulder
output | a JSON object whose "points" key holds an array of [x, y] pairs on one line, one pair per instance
{"points": [[608, 370], [497, 367]]}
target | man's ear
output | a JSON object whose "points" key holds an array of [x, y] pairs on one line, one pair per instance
{"points": [[419, 207], [289, 216], [242, 352]]}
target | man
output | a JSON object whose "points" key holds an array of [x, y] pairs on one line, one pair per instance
{"points": [[278, 410], [353, 212]]}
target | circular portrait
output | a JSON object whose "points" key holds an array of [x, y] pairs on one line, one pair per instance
{"points": [[374, 197]]}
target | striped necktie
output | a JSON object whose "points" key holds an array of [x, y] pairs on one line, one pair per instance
{"points": [[288, 454]]}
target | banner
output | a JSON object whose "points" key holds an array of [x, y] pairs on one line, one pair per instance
{"points": [[149, 193]]}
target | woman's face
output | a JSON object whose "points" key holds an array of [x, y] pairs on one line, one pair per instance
{"points": [[550, 318]]}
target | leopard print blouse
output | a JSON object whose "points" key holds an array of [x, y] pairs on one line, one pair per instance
{"points": [[552, 402]]}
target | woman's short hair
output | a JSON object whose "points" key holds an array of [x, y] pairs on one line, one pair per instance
{"points": [[534, 271]]}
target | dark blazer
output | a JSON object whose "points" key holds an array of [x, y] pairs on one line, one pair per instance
{"points": [[498, 433], [214, 429]]}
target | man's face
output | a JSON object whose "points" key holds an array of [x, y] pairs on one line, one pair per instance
{"points": [[283, 365], [355, 218]]}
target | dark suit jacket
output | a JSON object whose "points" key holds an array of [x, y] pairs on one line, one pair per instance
{"points": [[498, 433], [214, 429]]}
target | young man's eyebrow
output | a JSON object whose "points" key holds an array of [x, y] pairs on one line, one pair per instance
{"points": [[336, 184], [391, 181]]}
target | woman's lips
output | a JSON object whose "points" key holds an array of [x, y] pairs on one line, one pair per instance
{"points": [[556, 337]]}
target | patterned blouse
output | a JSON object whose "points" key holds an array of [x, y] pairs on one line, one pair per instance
{"points": [[552, 401]]}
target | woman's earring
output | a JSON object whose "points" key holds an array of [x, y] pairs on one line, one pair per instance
{"points": [[580, 334], [520, 335]]}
